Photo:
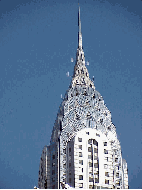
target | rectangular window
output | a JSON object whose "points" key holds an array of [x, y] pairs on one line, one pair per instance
{"points": [[90, 179], [53, 157], [107, 159], [64, 151], [81, 162], [89, 149], [95, 150], [79, 139], [80, 147], [106, 174], [97, 180], [69, 180], [90, 164], [87, 133], [101, 121], [80, 177], [69, 164], [105, 166], [82, 169], [89, 157], [118, 183], [105, 151], [105, 143], [109, 128], [69, 149], [53, 179], [95, 165], [95, 142], [80, 154], [53, 164], [106, 181], [53, 172], [80, 185], [90, 141], [97, 135], [116, 160], [117, 175]]}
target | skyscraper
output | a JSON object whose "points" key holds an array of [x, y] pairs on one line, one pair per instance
{"points": [[84, 150]]}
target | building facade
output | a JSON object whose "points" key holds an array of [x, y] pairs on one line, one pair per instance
{"points": [[84, 150]]}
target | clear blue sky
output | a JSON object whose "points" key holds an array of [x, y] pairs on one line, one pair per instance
{"points": [[37, 40]]}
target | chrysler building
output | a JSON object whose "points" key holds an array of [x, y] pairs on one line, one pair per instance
{"points": [[84, 150]]}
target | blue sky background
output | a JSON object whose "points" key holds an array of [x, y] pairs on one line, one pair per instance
{"points": [[37, 40]]}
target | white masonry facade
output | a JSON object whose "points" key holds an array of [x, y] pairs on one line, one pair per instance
{"points": [[84, 150]]}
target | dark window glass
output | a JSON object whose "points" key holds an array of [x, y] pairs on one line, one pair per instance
{"points": [[105, 143], [80, 185], [95, 150], [79, 139], [80, 177], [106, 181], [53, 157], [80, 154], [90, 141], [101, 121], [117, 175], [95, 142], [53, 164], [109, 128], [80, 147], [95, 165], [90, 179], [89, 156], [105, 151], [64, 151], [97, 135], [53, 179], [116, 159], [81, 162], [97, 180], [106, 174], [89, 149]]}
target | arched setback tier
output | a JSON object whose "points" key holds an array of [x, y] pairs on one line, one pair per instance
{"points": [[92, 161]]}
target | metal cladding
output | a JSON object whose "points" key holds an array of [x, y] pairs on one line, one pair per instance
{"points": [[84, 150]]}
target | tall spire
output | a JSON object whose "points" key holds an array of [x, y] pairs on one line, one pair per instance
{"points": [[79, 30], [80, 75]]}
